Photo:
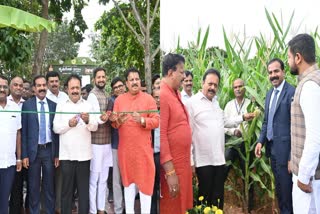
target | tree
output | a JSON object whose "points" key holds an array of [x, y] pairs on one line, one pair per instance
{"points": [[61, 44], [56, 9], [15, 52], [53, 9], [105, 51], [141, 19], [15, 45]]}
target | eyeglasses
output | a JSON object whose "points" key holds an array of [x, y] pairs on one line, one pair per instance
{"points": [[117, 87], [5, 87]]}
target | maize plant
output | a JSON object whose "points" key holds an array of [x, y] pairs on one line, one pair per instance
{"points": [[235, 61]]}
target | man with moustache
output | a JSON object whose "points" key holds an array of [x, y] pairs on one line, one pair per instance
{"points": [[10, 144], [275, 132], [75, 145], [54, 94], [101, 143], [136, 117], [16, 90], [175, 140], [187, 84], [207, 121], [40, 146], [53, 81], [118, 88], [236, 107], [305, 129]]}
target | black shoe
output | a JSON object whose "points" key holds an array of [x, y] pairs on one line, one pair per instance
{"points": [[110, 197]]}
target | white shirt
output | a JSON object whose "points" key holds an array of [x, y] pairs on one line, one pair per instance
{"points": [[62, 97], [93, 100], [46, 109], [185, 96], [21, 101], [207, 123], [156, 145], [10, 123], [310, 105], [75, 142], [234, 109], [280, 87]]}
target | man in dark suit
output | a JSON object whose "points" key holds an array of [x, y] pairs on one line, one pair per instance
{"points": [[40, 146], [275, 133]]}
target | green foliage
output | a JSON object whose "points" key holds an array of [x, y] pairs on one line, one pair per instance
{"points": [[61, 44], [117, 48], [77, 25], [17, 48], [236, 62], [15, 52], [203, 208]]}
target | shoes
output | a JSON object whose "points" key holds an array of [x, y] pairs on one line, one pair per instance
{"points": [[74, 207], [110, 197]]}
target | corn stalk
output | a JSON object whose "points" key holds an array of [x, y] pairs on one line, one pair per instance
{"points": [[235, 61]]}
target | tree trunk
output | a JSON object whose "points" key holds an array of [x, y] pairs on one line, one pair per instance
{"points": [[147, 51], [147, 61], [38, 59]]}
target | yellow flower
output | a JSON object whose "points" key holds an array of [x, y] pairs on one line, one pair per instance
{"points": [[187, 212], [206, 210], [201, 198], [198, 207], [214, 208], [219, 211]]}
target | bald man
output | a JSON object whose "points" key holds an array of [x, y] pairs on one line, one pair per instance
{"points": [[235, 107]]}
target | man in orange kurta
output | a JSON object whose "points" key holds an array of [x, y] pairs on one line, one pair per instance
{"points": [[135, 151], [175, 141]]}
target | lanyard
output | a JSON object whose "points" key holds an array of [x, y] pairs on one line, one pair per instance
{"points": [[236, 104]]}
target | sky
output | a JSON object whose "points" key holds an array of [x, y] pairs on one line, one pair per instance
{"points": [[245, 18], [91, 14]]}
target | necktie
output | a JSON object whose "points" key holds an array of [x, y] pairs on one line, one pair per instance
{"points": [[42, 131], [271, 115]]}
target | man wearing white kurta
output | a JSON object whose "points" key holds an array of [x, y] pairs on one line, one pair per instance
{"points": [[101, 144], [207, 122], [75, 145], [10, 144], [305, 129]]}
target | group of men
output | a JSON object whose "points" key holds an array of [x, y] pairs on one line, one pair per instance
{"points": [[68, 143], [64, 142], [290, 129], [195, 122]]}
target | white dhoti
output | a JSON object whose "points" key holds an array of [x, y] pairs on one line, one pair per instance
{"points": [[306, 203], [99, 170]]}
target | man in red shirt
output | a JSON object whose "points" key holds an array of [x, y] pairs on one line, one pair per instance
{"points": [[175, 140]]}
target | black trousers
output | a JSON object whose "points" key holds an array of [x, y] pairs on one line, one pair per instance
{"points": [[211, 184], [15, 203], [75, 172], [109, 181], [156, 187], [283, 183]]}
